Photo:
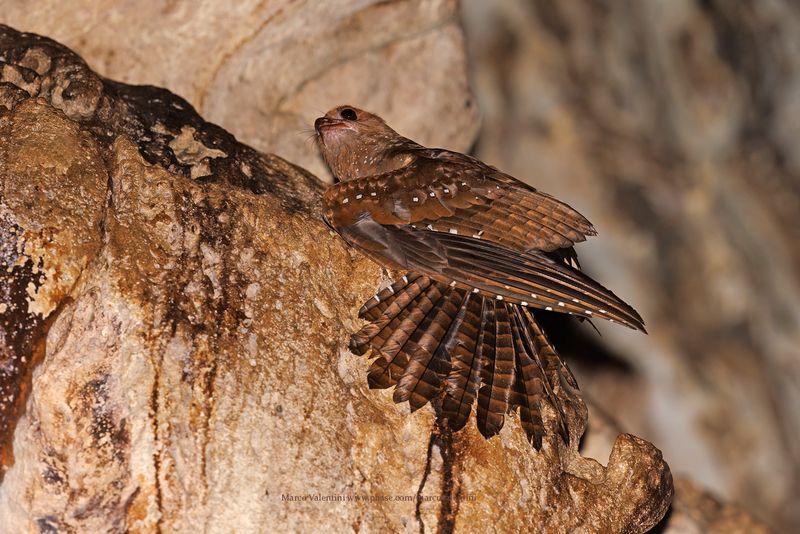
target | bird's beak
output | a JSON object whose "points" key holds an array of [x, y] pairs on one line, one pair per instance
{"points": [[325, 124]]}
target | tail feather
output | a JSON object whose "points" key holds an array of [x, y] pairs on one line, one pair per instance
{"points": [[548, 372], [429, 357], [529, 387], [461, 384], [548, 352], [385, 307], [497, 373], [387, 369], [433, 339], [377, 305]]}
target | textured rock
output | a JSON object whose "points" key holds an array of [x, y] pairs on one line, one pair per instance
{"points": [[191, 311], [695, 511], [266, 70], [672, 127]]}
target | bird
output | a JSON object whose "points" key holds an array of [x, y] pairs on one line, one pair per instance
{"points": [[482, 254]]}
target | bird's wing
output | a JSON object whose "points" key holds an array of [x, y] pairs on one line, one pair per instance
{"points": [[528, 278], [450, 192]]}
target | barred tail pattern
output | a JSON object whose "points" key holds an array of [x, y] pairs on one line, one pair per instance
{"points": [[433, 340]]}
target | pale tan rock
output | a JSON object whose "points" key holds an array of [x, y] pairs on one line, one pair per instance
{"points": [[265, 70], [694, 510], [196, 377]]}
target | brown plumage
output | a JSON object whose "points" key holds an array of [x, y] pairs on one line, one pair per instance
{"points": [[480, 249]]}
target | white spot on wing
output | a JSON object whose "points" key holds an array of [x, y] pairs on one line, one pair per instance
{"points": [[358, 196], [453, 231], [499, 297], [549, 308], [345, 201]]}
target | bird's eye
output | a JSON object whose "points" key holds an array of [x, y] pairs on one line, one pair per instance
{"points": [[348, 114]]}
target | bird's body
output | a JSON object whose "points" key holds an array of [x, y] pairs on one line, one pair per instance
{"points": [[480, 249]]}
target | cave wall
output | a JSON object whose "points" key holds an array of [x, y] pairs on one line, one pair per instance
{"points": [[672, 127]]}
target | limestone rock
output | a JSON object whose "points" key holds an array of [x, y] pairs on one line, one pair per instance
{"points": [[694, 511], [190, 312], [265, 70]]}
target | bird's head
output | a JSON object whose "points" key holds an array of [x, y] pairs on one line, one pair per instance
{"points": [[355, 143]]}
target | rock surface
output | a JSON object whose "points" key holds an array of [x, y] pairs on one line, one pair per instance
{"points": [[190, 310], [673, 127], [265, 70]]}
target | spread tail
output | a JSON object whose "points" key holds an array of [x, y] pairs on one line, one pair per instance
{"points": [[435, 340]]}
